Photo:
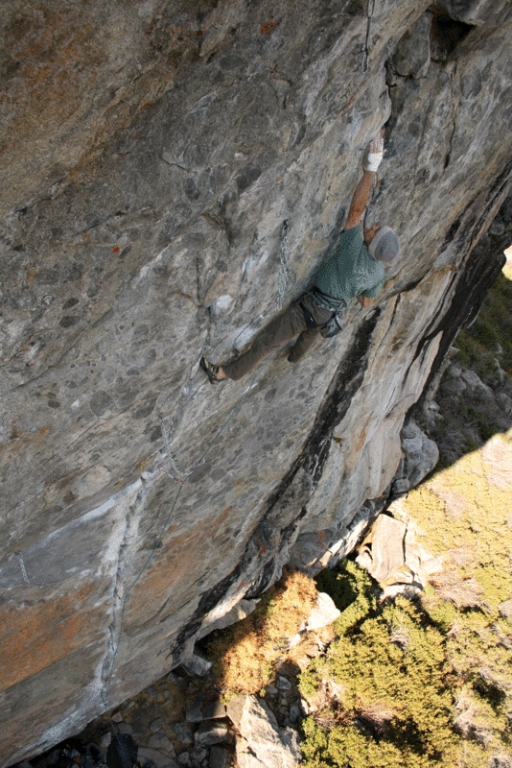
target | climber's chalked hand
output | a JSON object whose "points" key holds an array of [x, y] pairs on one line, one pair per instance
{"points": [[373, 155]]}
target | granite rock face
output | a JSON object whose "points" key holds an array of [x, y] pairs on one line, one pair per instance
{"points": [[261, 743], [420, 456], [174, 173]]}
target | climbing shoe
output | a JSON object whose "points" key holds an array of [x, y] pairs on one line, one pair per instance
{"points": [[211, 371]]}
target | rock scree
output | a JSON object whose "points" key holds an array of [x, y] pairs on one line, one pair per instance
{"points": [[173, 173]]}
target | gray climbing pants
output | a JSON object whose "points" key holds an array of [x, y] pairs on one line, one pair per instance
{"points": [[283, 328]]}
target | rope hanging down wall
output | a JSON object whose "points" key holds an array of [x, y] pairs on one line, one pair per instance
{"points": [[182, 477], [182, 480], [370, 12], [282, 277]]}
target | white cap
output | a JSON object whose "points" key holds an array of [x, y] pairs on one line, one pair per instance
{"points": [[385, 246]]}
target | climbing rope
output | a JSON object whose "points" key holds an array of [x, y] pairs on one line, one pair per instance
{"points": [[182, 479], [370, 12], [178, 476], [19, 555], [282, 278], [186, 393]]}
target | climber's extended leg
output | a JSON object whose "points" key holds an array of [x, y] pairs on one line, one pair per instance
{"points": [[284, 327], [303, 343], [290, 323]]}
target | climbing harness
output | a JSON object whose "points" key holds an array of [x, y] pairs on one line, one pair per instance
{"points": [[282, 278], [370, 11], [182, 478], [332, 327]]}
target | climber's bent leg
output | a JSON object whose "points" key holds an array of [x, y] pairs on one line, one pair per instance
{"points": [[321, 316], [281, 329]]}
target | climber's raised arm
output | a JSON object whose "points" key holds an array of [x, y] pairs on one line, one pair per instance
{"points": [[354, 270], [372, 160]]}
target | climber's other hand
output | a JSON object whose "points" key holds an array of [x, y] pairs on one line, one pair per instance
{"points": [[373, 155]]}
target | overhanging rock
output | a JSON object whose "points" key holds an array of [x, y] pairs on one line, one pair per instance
{"points": [[153, 152]]}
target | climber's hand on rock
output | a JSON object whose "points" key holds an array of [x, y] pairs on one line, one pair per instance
{"points": [[364, 301], [373, 155]]}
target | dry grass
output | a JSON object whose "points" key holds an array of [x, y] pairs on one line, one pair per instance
{"points": [[463, 592], [377, 719], [328, 695], [246, 655]]}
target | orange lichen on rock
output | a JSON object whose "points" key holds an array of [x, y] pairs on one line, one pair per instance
{"points": [[156, 590], [268, 28], [19, 439], [33, 637]]}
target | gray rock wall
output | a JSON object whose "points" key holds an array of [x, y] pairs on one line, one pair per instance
{"points": [[152, 153]]}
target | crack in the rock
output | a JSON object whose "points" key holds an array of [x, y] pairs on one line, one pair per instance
{"points": [[120, 593], [395, 309], [454, 127], [176, 165]]}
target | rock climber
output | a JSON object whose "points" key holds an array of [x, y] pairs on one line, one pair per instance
{"points": [[356, 270]]}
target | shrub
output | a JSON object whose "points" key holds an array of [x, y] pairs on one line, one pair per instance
{"points": [[245, 655], [381, 695], [353, 592]]}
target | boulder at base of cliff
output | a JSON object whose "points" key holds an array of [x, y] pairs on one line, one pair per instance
{"points": [[261, 743]]}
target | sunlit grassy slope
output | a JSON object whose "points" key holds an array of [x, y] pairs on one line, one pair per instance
{"points": [[464, 515], [428, 683]]}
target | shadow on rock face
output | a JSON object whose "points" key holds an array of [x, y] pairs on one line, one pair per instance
{"points": [[446, 34], [473, 401]]}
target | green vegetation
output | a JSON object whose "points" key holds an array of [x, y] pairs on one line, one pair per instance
{"points": [[414, 684], [426, 683], [469, 419], [489, 340], [352, 590], [382, 694]]}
